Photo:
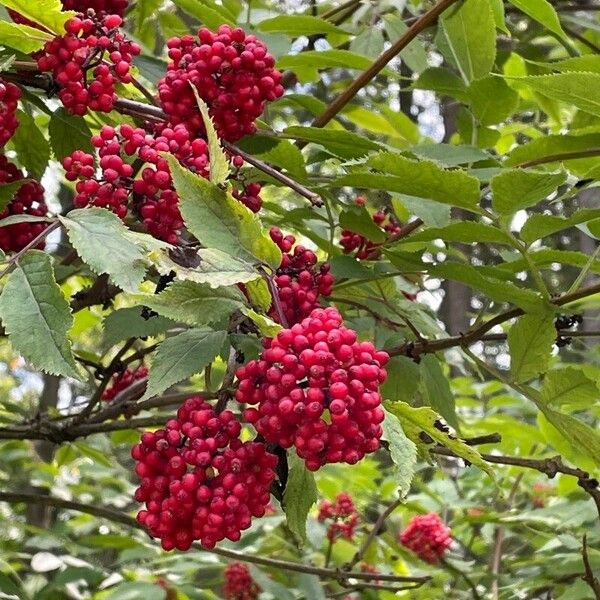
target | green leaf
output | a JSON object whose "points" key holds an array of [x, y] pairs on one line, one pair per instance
{"points": [[496, 289], [414, 421], [470, 36], [266, 326], [8, 586], [442, 81], [215, 268], [403, 452], [259, 295], [219, 221], [311, 586], [465, 232], [492, 101], [194, 303], [106, 245], [539, 226], [325, 59], [369, 42], [432, 213], [581, 90], [126, 323], [414, 54], [340, 142], [94, 454], [281, 153], [358, 220], [181, 356], [212, 15], [449, 155], [68, 133], [218, 164], [543, 12], [48, 13], [423, 179], [23, 38], [136, 590], [295, 25], [269, 587], [37, 317], [436, 389], [530, 342], [569, 386], [403, 379], [7, 192], [31, 146], [515, 189], [299, 496]]}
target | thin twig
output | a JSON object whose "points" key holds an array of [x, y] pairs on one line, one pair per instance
{"points": [[589, 576], [124, 519], [542, 160]]}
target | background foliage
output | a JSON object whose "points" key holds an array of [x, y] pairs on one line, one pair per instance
{"points": [[482, 137]]}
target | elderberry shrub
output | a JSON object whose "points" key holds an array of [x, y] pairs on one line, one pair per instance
{"points": [[341, 515], [28, 200], [199, 480], [427, 536], [317, 389], [89, 45], [231, 71]]}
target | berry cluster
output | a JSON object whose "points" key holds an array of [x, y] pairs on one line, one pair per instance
{"points": [[153, 194], [100, 7], [427, 536], [249, 196], [539, 494], [317, 389], [28, 200], [232, 72], [9, 99], [298, 279], [199, 480], [343, 516], [89, 45], [363, 248], [239, 584], [121, 381]]}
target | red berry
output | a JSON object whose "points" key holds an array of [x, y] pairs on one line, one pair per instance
{"points": [[9, 98], [121, 381], [343, 516], [427, 537], [239, 584]]}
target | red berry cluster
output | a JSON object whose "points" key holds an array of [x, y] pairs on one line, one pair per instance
{"points": [[9, 99], [343, 515], [89, 45], [100, 7], [232, 72], [427, 536], [153, 194], [317, 389], [199, 480], [28, 200], [298, 279], [239, 584], [365, 249], [121, 381], [249, 196]]}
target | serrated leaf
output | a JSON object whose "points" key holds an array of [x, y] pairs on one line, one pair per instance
{"points": [[299, 496], [49, 13], [218, 165], [104, 243], [37, 317], [403, 452], [414, 54], [259, 295], [436, 389], [403, 379], [211, 15], [543, 12], [466, 232], [515, 189], [194, 303], [492, 100], [442, 81], [68, 133], [358, 220], [450, 155], [530, 342], [7, 192], [423, 179], [414, 421], [295, 25], [126, 323], [470, 38], [219, 221], [266, 326], [14, 219], [578, 89], [182, 356], [23, 38], [281, 153], [31, 146], [539, 226], [214, 268], [569, 386]]}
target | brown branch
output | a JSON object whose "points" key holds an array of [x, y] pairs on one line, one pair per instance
{"points": [[124, 519], [415, 349], [424, 21], [542, 160], [589, 576]]}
